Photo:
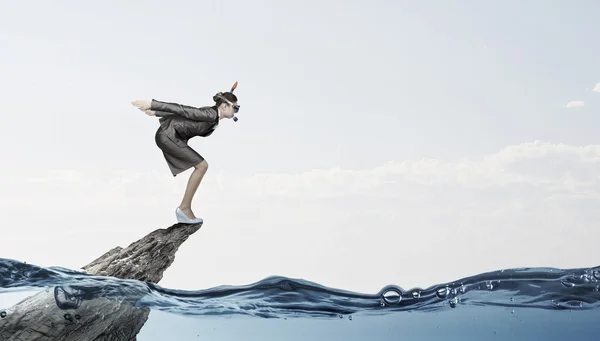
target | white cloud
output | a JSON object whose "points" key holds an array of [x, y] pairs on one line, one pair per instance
{"points": [[574, 104], [535, 163], [597, 87], [520, 206]]}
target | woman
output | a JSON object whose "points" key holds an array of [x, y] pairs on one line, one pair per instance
{"points": [[179, 123]]}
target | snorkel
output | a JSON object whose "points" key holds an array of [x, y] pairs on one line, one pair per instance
{"points": [[238, 107]]}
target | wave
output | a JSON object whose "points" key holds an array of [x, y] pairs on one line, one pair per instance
{"points": [[283, 297]]}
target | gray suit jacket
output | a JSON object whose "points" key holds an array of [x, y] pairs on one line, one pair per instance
{"points": [[182, 122]]}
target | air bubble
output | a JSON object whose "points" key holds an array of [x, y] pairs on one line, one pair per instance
{"points": [[567, 284], [66, 298], [3, 314], [392, 295], [442, 292], [489, 285], [416, 295], [453, 302]]}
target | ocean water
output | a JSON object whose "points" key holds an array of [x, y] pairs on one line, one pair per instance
{"points": [[510, 304]]}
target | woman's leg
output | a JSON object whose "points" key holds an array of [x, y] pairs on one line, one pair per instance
{"points": [[192, 185]]}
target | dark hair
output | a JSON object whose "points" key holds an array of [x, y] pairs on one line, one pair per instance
{"points": [[218, 98]]}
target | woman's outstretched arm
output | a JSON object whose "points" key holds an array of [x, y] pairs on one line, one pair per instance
{"points": [[206, 114]]}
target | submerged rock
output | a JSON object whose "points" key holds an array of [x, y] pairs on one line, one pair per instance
{"points": [[59, 314]]}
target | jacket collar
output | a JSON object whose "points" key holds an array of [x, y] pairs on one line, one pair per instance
{"points": [[218, 116]]}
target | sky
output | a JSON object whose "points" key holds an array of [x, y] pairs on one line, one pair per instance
{"points": [[407, 143]]}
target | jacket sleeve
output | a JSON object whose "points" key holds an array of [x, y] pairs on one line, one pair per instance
{"points": [[205, 114], [163, 113]]}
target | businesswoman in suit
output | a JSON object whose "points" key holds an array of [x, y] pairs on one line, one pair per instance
{"points": [[178, 124]]}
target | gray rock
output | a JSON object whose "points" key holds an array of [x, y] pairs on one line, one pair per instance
{"points": [[58, 314]]}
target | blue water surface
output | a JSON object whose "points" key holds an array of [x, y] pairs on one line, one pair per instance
{"points": [[513, 304]]}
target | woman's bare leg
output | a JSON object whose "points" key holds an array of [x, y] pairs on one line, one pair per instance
{"points": [[192, 186]]}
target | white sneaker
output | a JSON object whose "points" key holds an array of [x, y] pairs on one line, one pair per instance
{"points": [[182, 218]]}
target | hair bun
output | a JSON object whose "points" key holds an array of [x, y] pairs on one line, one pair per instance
{"points": [[218, 96]]}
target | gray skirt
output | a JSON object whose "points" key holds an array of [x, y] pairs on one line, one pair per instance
{"points": [[178, 158]]}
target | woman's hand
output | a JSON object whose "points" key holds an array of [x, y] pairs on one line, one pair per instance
{"points": [[144, 106], [141, 104]]}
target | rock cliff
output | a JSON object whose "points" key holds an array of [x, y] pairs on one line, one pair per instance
{"points": [[58, 314]]}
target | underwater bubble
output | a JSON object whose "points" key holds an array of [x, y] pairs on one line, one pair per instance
{"points": [[68, 317], [350, 317], [442, 292], [416, 295], [392, 295], [574, 303], [67, 299], [463, 289], [567, 284], [454, 292], [570, 304], [77, 317], [596, 274], [489, 285], [453, 302], [2, 314]]}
